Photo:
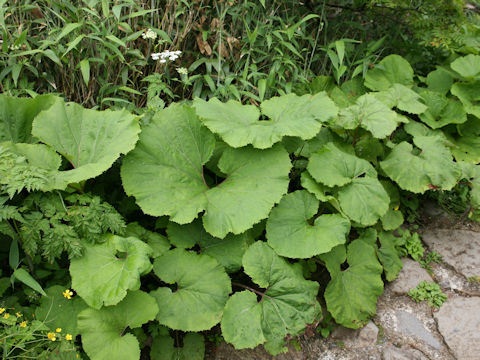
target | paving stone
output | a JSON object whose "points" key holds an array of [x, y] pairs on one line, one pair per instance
{"points": [[459, 248], [394, 353], [459, 323], [410, 325], [366, 336], [411, 275]]}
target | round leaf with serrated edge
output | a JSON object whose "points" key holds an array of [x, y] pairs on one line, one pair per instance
{"points": [[467, 148], [440, 81], [364, 200], [334, 259], [58, 312], [103, 331], [319, 190], [17, 114], [90, 140], [290, 234], [393, 69], [165, 174], [433, 167], [371, 114], [157, 242], [287, 306], [334, 167], [106, 271], [202, 290], [228, 251], [403, 98], [441, 110], [469, 95], [163, 348], [289, 115], [389, 256], [351, 295], [467, 66]]}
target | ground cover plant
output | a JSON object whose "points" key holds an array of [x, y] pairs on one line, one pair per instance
{"points": [[127, 236]]}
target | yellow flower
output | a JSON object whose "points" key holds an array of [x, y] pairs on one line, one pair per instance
{"points": [[23, 324], [68, 337], [58, 330], [2, 310], [19, 314], [67, 294], [51, 336], [6, 316], [396, 208]]}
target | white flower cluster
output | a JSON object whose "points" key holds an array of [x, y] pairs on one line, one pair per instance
{"points": [[150, 34], [182, 71], [163, 56]]}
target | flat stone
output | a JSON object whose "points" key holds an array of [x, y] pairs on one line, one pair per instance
{"points": [[459, 323], [410, 325], [411, 275], [394, 353], [459, 248], [364, 337], [367, 336]]}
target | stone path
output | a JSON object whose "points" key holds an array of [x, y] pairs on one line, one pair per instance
{"points": [[402, 328]]}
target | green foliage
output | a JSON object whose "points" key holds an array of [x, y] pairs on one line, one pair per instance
{"points": [[193, 348], [430, 292]]}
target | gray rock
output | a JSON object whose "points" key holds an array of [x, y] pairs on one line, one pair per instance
{"points": [[411, 275], [409, 325], [459, 323], [367, 336], [393, 353], [459, 248]]}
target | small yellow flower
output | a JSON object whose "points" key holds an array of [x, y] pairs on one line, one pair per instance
{"points": [[68, 337], [19, 314], [67, 294], [2, 310], [77, 356], [51, 336], [23, 324], [396, 208], [6, 316], [58, 330]]}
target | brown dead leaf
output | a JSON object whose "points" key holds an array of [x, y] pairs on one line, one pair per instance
{"points": [[203, 46]]}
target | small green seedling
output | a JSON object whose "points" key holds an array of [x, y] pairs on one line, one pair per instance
{"points": [[430, 292]]}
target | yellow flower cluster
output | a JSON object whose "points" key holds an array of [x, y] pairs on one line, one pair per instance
{"points": [[67, 294]]}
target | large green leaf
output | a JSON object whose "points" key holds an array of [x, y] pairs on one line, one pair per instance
{"points": [[391, 70], [440, 81], [418, 172], [290, 233], [287, 305], [58, 312], [202, 290], [389, 255], [364, 200], [163, 348], [103, 331], [393, 218], [334, 259], [403, 98], [351, 295], [469, 95], [289, 115], [228, 251], [467, 66], [165, 174], [157, 242], [17, 114], [106, 271], [334, 167], [90, 140], [441, 110], [371, 114]]}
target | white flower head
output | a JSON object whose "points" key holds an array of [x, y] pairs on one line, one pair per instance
{"points": [[166, 55], [182, 71], [149, 34]]}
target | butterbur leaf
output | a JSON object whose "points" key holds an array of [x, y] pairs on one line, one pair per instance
{"points": [[432, 167], [106, 271], [165, 174], [469, 95], [163, 348], [286, 307], [103, 331], [17, 114], [403, 98], [202, 290], [58, 312], [157, 242], [466, 148], [441, 110], [440, 81], [389, 256], [351, 295], [319, 190], [371, 114], [334, 167], [393, 69], [291, 235], [334, 259], [289, 115], [90, 140], [228, 251], [467, 66]]}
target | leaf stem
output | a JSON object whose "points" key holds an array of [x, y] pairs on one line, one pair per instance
{"points": [[251, 289]]}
